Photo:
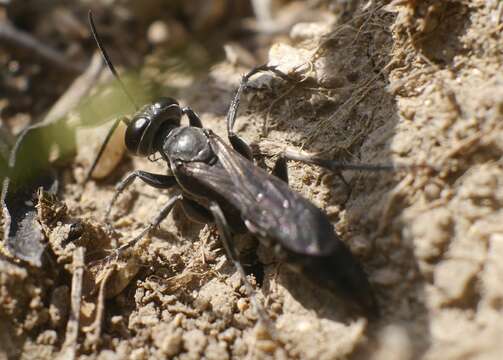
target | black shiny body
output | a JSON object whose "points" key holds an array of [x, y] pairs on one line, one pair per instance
{"points": [[219, 183], [209, 171], [299, 233]]}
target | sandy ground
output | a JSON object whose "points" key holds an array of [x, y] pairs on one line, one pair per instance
{"points": [[406, 83]]}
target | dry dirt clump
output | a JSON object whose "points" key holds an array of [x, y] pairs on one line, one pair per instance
{"points": [[416, 83]]}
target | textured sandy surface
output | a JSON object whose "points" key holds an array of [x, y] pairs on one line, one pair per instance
{"points": [[393, 84]]}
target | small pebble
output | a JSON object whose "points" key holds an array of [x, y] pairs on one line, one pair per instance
{"points": [[242, 304], [158, 32]]}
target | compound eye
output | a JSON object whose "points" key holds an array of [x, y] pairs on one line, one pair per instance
{"points": [[134, 134]]}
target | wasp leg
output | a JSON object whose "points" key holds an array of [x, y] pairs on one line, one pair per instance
{"points": [[280, 169], [236, 141], [334, 166], [225, 235], [196, 212], [102, 148], [349, 189], [163, 213], [194, 119], [155, 180]]}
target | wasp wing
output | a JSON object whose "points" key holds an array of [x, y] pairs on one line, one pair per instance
{"points": [[267, 205]]}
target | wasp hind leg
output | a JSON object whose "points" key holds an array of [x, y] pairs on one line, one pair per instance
{"points": [[280, 170], [196, 212], [225, 235]]}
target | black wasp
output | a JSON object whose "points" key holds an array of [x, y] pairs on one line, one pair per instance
{"points": [[220, 184]]}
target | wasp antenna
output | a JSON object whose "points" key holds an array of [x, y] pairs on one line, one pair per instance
{"points": [[107, 60]]}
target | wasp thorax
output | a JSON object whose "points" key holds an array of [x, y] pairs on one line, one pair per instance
{"points": [[151, 123], [188, 144]]}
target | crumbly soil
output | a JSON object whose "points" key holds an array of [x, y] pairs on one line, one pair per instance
{"points": [[415, 84]]}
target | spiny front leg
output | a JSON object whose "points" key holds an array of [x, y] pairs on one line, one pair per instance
{"points": [[163, 213], [155, 180], [236, 141]]}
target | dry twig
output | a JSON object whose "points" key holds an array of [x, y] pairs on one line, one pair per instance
{"points": [[69, 348], [20, 39]]}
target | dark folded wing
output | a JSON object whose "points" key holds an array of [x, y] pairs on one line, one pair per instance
{"points": [[267, 205]]}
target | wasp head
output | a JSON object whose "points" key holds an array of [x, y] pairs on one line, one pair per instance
{"points": [[151, 123]]}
